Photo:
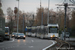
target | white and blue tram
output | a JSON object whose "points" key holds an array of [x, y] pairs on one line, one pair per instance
{"points": [[28, 31], [33, 31], [51, 31]]}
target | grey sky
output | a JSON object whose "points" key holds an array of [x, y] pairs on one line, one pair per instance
{"points": [[28, 5]]}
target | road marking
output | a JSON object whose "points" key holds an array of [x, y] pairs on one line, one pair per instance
{"points": [[54, 42], [12, 40], [30, 46], [9, 47], [32, 40]]}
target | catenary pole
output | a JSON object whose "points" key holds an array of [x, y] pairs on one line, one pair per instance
{"points": [[18, 16]]}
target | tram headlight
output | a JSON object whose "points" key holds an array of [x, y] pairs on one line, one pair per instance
{"points": [[51, 36], [12, 35], [18, 36], [24, 36]]}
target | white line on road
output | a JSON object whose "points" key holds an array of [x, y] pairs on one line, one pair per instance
{"points": [[32, 40], [54, 42], [12, 40], [30, 46]]}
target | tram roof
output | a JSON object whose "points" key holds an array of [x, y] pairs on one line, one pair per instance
{"points": [[52, 25], [6, 27]]}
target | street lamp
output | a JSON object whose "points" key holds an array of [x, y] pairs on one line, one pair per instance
{"points": [[23, 22], [18, 16], [48, 12]]}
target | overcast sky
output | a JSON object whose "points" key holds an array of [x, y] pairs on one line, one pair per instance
{"points": [[29, 5]]}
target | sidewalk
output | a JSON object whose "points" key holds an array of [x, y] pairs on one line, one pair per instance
{"points": [[63, 44], [70, 39]]}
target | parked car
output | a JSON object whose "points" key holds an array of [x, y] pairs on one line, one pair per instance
{"points": [[13, 34], [67, 34], [20, 35]]}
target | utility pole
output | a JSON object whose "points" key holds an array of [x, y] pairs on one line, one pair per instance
{"points": [[48, 15], [0, 8], [65, 5], [40, 4], [48, 12], [65, 8], [0, 4], [23, 22], [1, 11], [41, 14], [18, 16], [33, 20], [42, 19]]}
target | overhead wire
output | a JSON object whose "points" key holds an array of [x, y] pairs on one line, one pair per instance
{"points": [[72, 1], [60, 1]]}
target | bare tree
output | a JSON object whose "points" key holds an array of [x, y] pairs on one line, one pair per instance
{"points": [[10, 16]]}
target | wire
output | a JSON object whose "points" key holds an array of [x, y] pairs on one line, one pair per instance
{"points": [[72, 1], [64, 1], [60, 1]]}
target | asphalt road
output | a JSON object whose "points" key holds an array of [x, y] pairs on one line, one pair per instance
{"points": [[25, 44]]}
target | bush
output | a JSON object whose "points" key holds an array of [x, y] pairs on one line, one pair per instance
{"points": [[73, 31]]}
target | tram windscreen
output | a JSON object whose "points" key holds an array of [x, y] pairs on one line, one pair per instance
{"points": [[6, 29], [53, 30]]}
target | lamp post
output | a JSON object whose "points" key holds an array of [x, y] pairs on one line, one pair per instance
{"points": [[48, 15], [23, 22], [0, 4], [48, 12], [18, 16], [65, 5]]}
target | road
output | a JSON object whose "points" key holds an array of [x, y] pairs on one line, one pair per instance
{"points": [[29, 43]]}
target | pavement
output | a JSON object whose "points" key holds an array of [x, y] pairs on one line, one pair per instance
{"points": [[69, 43], [70, 39]]}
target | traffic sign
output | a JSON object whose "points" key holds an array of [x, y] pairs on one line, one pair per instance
{"points": [[25, 29]]}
